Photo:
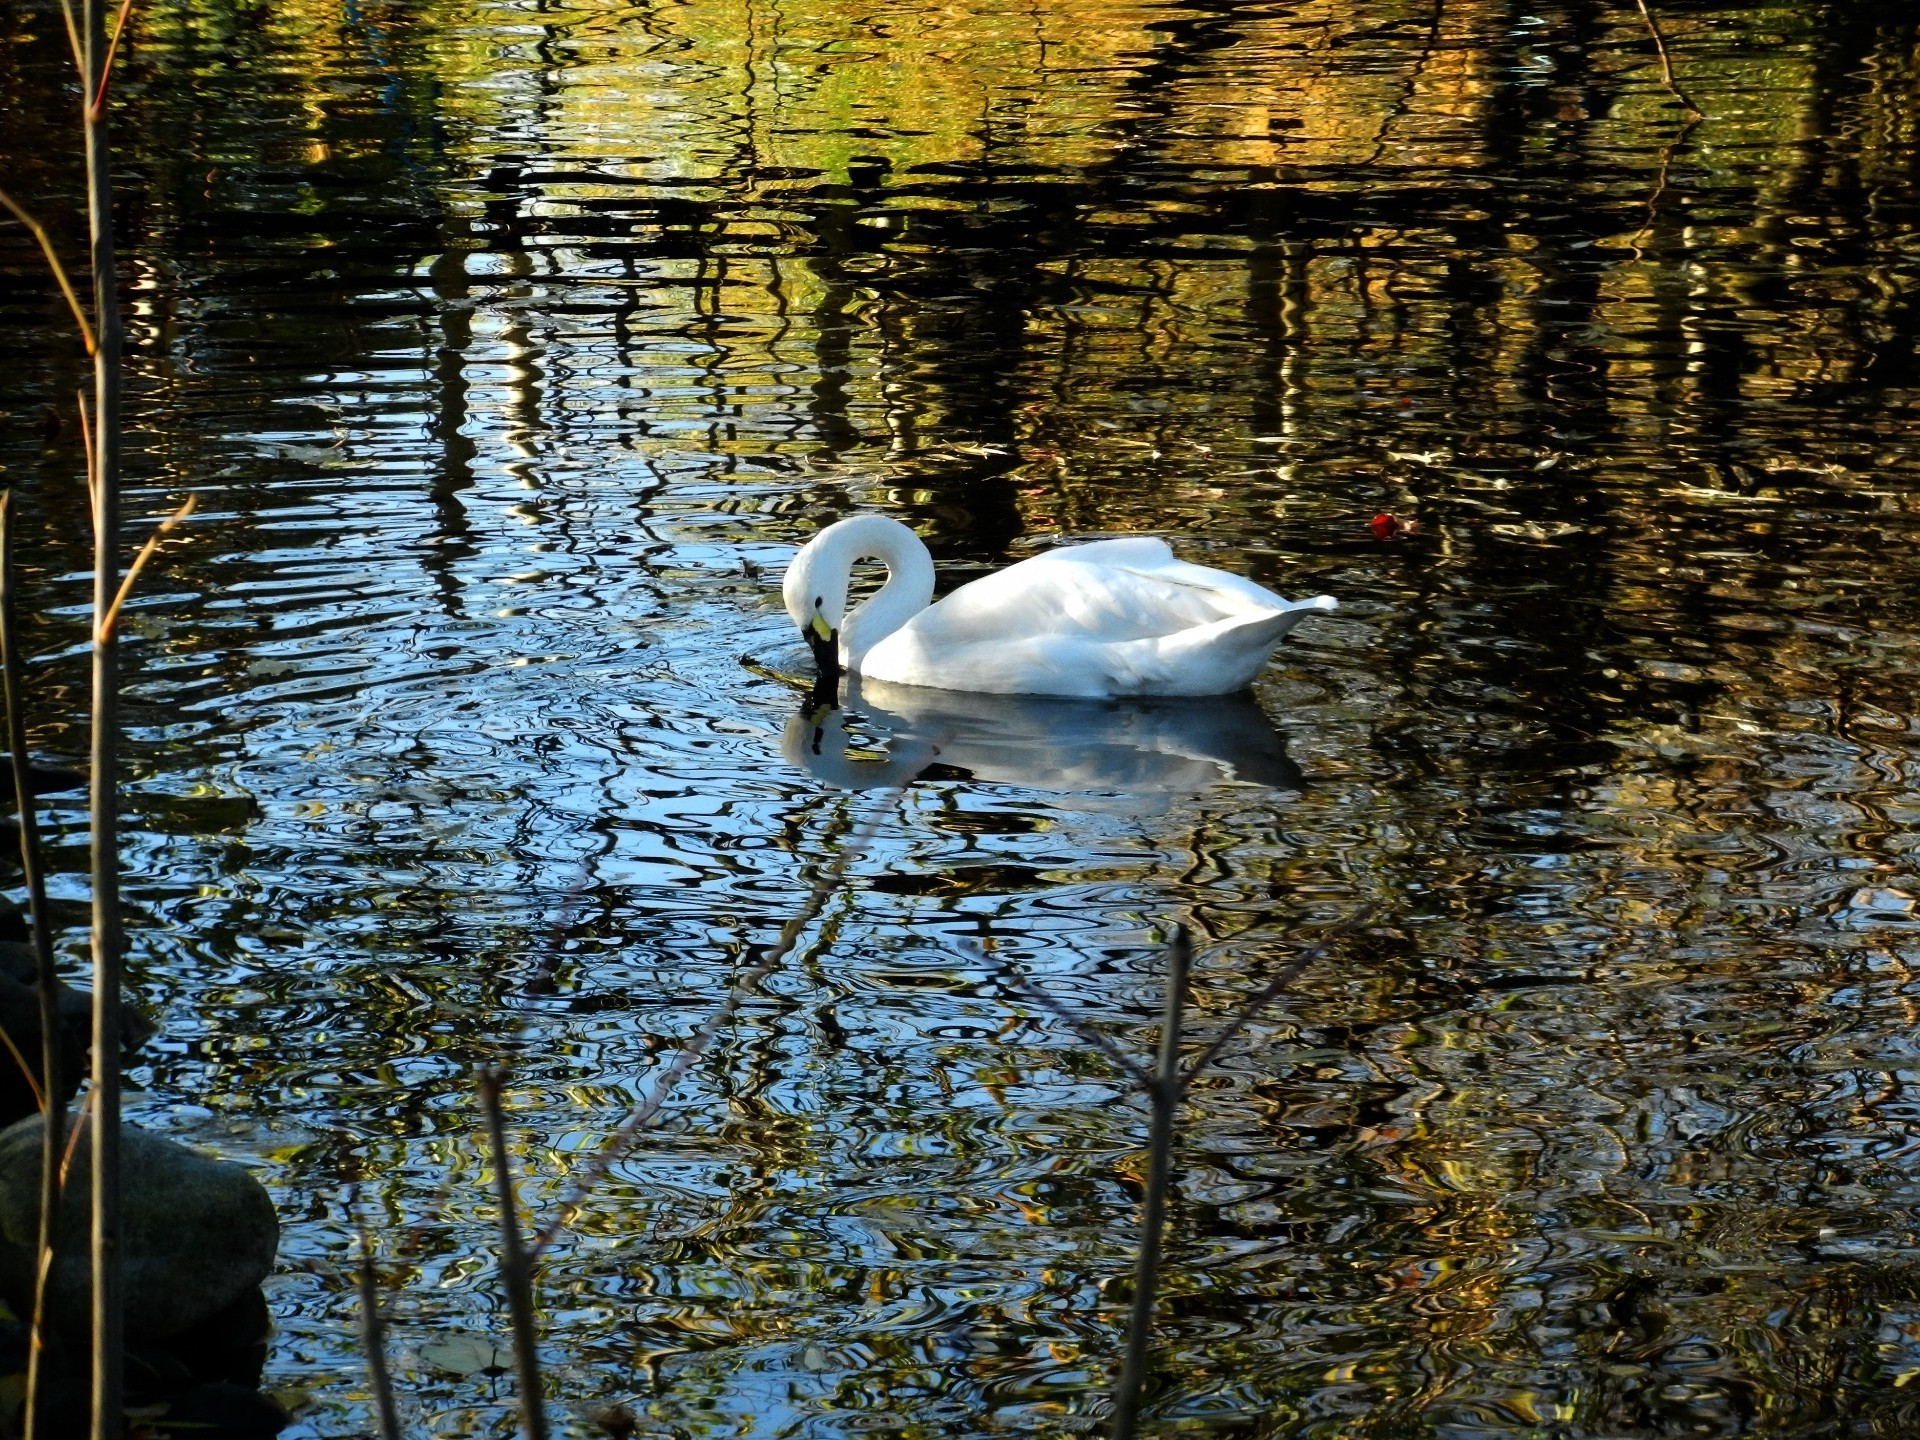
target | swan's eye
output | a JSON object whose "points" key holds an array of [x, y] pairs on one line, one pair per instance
{"points": [[818, 602]]}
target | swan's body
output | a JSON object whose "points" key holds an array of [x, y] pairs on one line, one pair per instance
{"points": [[1117, 617]]}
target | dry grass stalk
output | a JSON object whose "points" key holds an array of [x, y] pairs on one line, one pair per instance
{"points": [[27, 1070], [113, 49], [88, 28], [48, 1089], [373, 1340], [1164, 1091], [54, 264], [1666, 63], [515, 1264], [140, 562]]}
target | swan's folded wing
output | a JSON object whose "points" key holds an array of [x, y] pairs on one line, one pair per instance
{"points": [[1109, 591]]}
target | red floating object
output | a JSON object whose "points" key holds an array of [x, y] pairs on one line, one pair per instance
{"points": [[1391, 527]]}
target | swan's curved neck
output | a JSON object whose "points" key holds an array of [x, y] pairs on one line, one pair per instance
{"points": [[822, 570]]}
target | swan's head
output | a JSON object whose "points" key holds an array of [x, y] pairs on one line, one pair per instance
{"points": [[815, 588], [816, 597]]}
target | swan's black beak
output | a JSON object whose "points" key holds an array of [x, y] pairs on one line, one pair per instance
{"points": [[825, 644]]}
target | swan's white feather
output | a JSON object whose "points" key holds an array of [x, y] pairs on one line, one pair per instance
{"points": [[1116, 617]]}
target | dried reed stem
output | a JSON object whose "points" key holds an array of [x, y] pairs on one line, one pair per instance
{"points": [[140, 560], [1287, 974], [113, 49], [108, 1349], [373, 1340], [1097, 1039], [515, 1265], [46, 982], [54, 264], [1164, 1093], [86, 443], [1666, 63], [73, 37], [27, 1072]]}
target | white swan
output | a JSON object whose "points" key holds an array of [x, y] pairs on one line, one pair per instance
{"points": [[1117, 617]]}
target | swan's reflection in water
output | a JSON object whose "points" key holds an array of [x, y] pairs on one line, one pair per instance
{"points": [[888, 734]]}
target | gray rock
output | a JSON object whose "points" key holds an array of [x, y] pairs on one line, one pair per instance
{"points": [[21, 1055], [20, 1020], [196, 1233]]}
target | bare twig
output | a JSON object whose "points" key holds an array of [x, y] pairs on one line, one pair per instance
{"points": [[1287, 975], [104, 835], [1164, 1088], [86, 444], [140, 561], [373, 1338], [1666, 63], [73, 37], [1667, 152], [80, 1122], [27, 1070], [46, 982], [113, 49], [1164, 1091], [515, 1268], [54, 264], [621, 1140], [1096, 1038], [539, 980]]}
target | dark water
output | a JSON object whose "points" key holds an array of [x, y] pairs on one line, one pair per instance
{"points": [[503, 343]]}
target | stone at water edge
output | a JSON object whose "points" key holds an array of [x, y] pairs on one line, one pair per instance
{"points": [[20, 1019], [196, 1233]]}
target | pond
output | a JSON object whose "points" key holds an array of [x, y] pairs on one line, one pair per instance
{"points": [[512, 348]]}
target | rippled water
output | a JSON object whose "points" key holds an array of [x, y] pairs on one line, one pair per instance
{"points": [[512, 347]]}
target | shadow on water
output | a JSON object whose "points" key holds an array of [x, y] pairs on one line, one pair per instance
{"points": [[511, 350]]}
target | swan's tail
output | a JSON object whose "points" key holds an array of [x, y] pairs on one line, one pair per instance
{"points": [[1215, 659], [1269, 627]]}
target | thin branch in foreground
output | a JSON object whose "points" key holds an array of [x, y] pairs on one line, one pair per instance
{"points": [[46, 982], [73, 38], [1287, 975], [540, 980], [373, 1336], [59, 270], [515, 1268], [617, 1145], [140, 563], [1164, 1090], [86, 443], [1098, 1039], [27, 1071], [108, 1390], [113, 49], [1666, 63]]}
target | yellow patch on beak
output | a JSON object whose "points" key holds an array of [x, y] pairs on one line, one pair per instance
{"points": [[821, 628]]}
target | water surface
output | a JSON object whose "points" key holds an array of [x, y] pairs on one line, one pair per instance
{"points": [[512, 347]]}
